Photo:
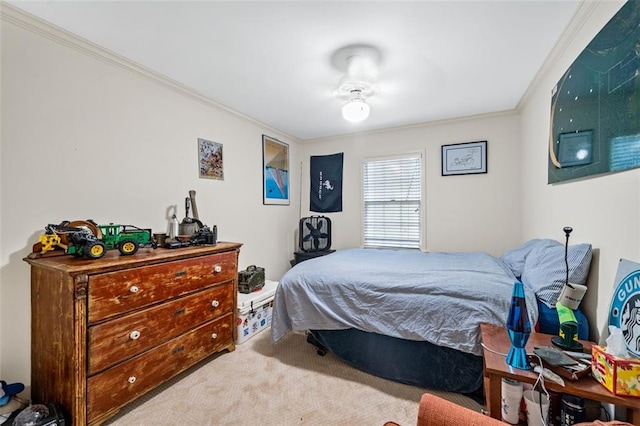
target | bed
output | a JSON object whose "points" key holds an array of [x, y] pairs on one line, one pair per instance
{"points": [[414, 317]]}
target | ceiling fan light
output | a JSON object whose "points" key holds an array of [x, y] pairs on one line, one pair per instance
{"points": [[355, 110]]}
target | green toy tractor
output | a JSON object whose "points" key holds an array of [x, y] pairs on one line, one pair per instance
{"points": [[92, 241]]}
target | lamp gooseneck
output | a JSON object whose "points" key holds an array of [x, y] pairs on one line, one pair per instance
{"points": [[567, 231]]}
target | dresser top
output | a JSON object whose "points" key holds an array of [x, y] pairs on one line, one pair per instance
{"points": [[113, 260]]}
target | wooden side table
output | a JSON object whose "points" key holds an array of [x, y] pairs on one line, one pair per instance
{"points": [[495, 368]]}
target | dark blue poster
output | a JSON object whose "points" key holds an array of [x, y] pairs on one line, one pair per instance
{"points": [[326, 183], [595, 107]]}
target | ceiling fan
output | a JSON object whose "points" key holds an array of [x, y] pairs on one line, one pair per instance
{"points": [[360, 63]]}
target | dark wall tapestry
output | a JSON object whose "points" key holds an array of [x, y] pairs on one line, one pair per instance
{"points": [[326, 183], [595, 107]]}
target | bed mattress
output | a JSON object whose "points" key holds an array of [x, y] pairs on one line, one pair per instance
{"points": [[439, 298]]}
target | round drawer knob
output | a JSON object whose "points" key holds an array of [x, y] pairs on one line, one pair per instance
{"points": [[133, 289], [134, 335], [214, 336], [215, 303], [132, 379], [217, 268]]}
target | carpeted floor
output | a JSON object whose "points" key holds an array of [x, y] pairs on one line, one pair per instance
{"points": [[285, 384]]}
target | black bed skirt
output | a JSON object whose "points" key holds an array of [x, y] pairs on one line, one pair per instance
{"points": [[411, 362]]}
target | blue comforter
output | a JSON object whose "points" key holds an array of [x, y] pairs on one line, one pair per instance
{"points": [[437, 297]]}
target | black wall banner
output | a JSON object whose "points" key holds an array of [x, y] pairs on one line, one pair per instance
{"points": [[326, 183]]}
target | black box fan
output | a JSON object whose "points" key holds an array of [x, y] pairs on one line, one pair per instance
{"points": [[315, 233]]}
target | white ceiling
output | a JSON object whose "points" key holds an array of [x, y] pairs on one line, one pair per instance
{"points": [[271, 60]]}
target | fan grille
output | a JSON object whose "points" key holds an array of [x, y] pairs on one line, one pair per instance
{"points": [[315, 233]]}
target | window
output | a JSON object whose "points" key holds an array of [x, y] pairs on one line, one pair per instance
{"points": [[392, 190]]}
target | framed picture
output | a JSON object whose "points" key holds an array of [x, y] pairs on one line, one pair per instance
{"points": [[275, 171], [464, 158], [210, 159]]}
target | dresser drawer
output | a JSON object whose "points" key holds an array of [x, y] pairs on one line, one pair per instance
{"points": [[118, 339], [114, 293], [125, 382]]}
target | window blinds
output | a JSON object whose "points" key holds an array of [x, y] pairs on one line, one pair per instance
{"points": [[392, 199]]}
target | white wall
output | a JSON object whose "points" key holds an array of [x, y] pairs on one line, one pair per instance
{"points": [[85, 136], [463, 213], [604, 211], [1, 197]]}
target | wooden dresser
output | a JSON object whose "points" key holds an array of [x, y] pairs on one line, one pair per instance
{"points": [[106, 331]]}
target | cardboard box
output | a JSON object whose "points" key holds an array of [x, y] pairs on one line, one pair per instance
{"points": [[254, 311], [618, 375]]}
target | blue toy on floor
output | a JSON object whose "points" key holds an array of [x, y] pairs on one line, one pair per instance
{"points": [[8, 391]]}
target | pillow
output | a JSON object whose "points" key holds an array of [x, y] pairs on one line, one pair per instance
{"points": [[545, 270], [516, 257]]}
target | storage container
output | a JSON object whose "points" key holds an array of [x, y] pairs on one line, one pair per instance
{"points": [[254, 311]]}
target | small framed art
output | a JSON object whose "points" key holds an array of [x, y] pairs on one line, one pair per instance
{"points": [[275, 171], [210, 159], [464, 158]]}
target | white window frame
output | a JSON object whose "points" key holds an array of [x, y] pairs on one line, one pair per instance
{"points": [[421, 215]]}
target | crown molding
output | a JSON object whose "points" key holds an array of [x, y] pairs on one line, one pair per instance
{"points": [[16, 16], [418, 126], [581, 16]]}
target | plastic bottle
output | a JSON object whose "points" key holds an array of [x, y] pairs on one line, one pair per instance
{"points": [[173, 230]]}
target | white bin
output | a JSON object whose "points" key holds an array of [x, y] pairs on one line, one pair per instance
{"points": [[255, 310]]}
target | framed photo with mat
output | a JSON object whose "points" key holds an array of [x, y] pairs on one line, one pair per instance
{"points": [[464, 158]]}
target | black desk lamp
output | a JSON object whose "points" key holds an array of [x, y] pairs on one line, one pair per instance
{"points": [[569, 300]]}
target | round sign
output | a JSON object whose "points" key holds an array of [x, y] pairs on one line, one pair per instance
{"points": [[625, 310]]}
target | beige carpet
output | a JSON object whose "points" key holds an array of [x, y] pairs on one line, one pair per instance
{"points": [[285, 384]]}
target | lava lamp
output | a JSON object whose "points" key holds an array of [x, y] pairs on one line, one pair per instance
{"points": [[519, 328]]}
